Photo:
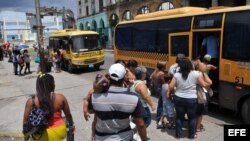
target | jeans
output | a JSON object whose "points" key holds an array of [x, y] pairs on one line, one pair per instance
{"points": [[185, 106], [15, 65], [147, 117], [159, 109]]}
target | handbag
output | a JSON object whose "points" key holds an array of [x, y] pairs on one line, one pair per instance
{"points": [[37, 59], [201, 94], [37, 122]]}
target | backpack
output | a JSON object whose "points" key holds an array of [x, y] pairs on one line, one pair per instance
{"points": [[37, 121]]}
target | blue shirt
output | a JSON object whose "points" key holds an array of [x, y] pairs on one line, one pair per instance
{"points": [[211, 42]]}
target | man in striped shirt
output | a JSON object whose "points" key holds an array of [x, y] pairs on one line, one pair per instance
{"points": [[114, 108]]}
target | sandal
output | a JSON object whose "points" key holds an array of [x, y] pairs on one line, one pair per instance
{"points": [[200, 130], [195, 136]]}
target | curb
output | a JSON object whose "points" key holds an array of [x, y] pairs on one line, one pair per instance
{"points": [[13, 135]]}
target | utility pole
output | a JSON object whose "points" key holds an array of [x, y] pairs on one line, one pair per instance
{"points": [[40, 36]]}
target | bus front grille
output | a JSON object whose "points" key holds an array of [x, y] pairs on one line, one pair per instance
{"points": [[90, 61]]}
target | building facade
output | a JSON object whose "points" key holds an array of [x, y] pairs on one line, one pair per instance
{"points": [[92, 16], [17, 27], [123, 10]]}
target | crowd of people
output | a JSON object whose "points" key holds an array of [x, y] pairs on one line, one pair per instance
{"points": [[18, 58], [122, 98]]}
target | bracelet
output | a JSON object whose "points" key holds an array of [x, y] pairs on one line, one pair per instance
{"points": [[71, 127]]}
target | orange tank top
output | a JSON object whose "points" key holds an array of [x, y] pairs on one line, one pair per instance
{"points": [[56, 120]]}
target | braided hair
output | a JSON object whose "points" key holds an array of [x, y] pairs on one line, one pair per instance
{"points": [[45, 85]]}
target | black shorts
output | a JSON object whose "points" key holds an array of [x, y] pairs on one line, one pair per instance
{"points": [[202, 109]]}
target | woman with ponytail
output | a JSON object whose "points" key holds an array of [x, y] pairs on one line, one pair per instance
{"points": [[52, 104]]}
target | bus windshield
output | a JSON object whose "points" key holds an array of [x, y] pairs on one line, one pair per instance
{"points": [[85, 43]]}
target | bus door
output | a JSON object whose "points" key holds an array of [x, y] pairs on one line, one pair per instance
{"points": [[178, 43], [203, 41]]}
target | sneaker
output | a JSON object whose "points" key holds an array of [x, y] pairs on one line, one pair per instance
{"points": [[171, 126], [136, 137], [160, 126]]}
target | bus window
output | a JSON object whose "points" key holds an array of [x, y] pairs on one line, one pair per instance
{"points": [[144, 36], [85, 43], [236, 36], [179, 44], [124, 37], [207, 21]]}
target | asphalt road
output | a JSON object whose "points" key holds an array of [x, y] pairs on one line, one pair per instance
{"points": [[14, 91]]}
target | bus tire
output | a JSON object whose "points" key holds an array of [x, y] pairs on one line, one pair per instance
{"points": [[245, 111], [70, 67], [97, 67]]}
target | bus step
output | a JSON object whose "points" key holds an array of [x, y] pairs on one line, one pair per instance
{"points": [[214, 102]]}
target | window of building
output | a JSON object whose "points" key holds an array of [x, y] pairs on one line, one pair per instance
{"points": [[127, 16], [87, 10], [112, 2], [87, 25], [94, 25], [143, 10], [79, 2], [166, 6], [80, 10]]}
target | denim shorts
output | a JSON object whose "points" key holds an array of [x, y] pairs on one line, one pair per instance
{"points": [[168, 109]]}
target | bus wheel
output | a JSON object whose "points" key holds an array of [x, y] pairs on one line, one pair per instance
{"points": [[245, 111], [70, 67], [97, 67]]}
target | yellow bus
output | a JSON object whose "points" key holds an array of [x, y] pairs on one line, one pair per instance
{"points": [[161, 35], [80, 49]]}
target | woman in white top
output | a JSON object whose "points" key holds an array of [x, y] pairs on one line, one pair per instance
{"points": [[185, 81]]}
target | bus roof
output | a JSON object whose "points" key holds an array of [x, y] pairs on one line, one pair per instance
{"points": [[72, 32], [177, 11], [184, 12]]}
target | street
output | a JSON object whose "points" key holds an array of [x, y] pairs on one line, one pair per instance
{"points": [[14, 91]]}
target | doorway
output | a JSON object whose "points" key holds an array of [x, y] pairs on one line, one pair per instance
{"points": [[208, 42]]}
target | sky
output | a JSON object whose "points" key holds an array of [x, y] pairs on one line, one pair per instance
{"points": [[29, 5]]}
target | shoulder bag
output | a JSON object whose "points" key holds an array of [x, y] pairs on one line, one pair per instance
{"points": [[201, 94], [37, 122]]}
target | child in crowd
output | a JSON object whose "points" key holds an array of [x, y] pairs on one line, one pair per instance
{"points": [[100, 85], [168, 109]]}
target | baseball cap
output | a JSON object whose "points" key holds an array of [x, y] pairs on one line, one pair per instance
{"points": [[117, 71]]}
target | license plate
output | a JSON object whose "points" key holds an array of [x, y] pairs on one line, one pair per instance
{"points": [[91, 66]]}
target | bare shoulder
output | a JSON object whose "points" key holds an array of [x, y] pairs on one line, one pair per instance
{"points": [[59, 96], [29, 101]]}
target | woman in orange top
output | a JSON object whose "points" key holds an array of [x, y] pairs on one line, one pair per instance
{"points": [[52, 104]]}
